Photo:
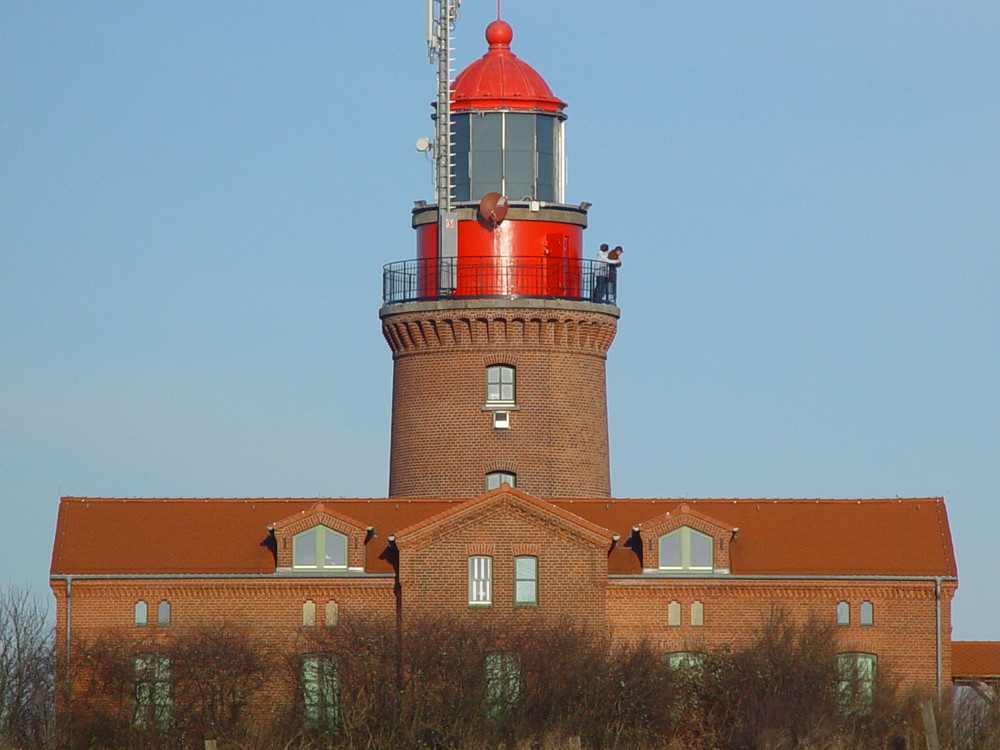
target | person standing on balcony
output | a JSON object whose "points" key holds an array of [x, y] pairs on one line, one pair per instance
{"points": [[604, 272]]}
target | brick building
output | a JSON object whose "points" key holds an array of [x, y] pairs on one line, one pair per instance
{"points": [[500, 500]]}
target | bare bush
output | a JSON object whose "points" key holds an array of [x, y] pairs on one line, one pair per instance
{"points": [[26, 671], [442, 684]]}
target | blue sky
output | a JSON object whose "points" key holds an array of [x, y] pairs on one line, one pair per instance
{"points": [[198, 197]]}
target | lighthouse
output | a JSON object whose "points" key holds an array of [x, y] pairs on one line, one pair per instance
{"points": [[499, 327]]}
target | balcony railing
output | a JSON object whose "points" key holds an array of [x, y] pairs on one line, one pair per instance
{"points": [[489, 276]]}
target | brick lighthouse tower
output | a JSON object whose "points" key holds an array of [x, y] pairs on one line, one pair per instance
{"points": [[499, 328]]}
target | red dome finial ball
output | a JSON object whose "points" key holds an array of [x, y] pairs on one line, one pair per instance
{"points": [[499, 33]]}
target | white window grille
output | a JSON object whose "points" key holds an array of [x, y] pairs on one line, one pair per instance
{"points": [[480, 580]]}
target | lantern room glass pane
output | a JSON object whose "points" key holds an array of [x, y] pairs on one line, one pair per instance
{"points": [[487, 155], [519, 156], [545, 181], [460, 156]]}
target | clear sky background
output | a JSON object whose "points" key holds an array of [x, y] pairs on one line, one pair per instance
{"points": [[198, 197]]}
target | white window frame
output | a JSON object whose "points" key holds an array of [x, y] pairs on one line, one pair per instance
{"points": [[319, 538], [498, 379], [163, 613], [141, 613], [480, 581], [866, 615], [684, 536]]}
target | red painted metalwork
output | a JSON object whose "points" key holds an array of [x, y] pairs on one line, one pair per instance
{"points": [[527, 258], [500, 80]]}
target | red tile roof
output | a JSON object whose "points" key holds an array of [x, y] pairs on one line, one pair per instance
{"points": [[975, 660], [776, 537]]}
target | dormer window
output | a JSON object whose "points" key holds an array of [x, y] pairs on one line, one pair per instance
{"points": [[686, 550], [319, 548]]}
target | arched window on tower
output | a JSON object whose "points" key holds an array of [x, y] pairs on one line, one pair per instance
{"points": [[500, 385], [495, 478]]}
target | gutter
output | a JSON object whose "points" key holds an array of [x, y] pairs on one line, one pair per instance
{"points": [[937, 633], [210, 576], [778, 577], [69, 630]]}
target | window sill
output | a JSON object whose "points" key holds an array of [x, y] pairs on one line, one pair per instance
{"points": [[501, 406]]}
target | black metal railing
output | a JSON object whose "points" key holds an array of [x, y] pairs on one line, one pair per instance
{"points": [[489, 276]]}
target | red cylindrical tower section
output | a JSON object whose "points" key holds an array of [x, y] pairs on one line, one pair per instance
{"points": [[529, 254]]}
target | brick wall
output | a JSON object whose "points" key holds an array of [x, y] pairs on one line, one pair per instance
{"points": [[903, 633], [572, 567], [443, 441]]}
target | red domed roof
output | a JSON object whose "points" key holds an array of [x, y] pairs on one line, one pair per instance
{"points": [[499, 80]]}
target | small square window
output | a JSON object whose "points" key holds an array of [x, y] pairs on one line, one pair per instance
{"points": [[501, 420]]}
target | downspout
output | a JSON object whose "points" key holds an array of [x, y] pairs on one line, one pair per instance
{"points": [[69, 629], [937, 632]]}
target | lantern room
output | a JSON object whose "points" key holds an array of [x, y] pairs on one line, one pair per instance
{"points": [[507, 127]]}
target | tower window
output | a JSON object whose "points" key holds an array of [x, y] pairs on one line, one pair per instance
{"points": [[499, 385], [686, 549], [495, 478], [319, 547], [867, 613], [141, 613]]}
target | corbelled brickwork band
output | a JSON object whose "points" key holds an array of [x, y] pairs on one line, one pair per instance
{"points": [[444, 441]]}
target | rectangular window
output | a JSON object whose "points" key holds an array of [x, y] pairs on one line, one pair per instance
{"points": [[856, 681], [151, 691], [320, 691], [480, 580], [526, 580], [499, 384]]}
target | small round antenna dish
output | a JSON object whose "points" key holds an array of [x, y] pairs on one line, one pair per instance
{"points": [[423, 144], [493, 208]]}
